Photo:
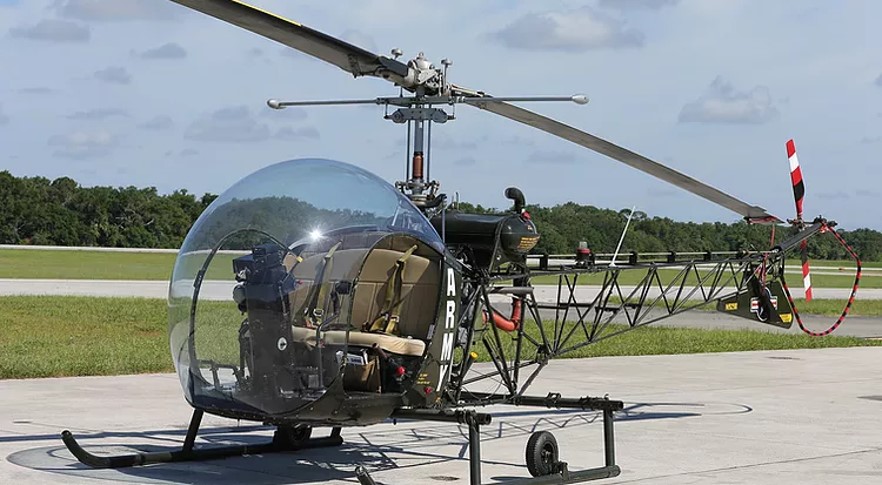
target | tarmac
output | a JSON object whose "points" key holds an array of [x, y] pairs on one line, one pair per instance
{"points": [[784, 417]]}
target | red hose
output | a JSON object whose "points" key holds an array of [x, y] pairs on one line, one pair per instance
{"points": [[507, 324], [857, 281]]}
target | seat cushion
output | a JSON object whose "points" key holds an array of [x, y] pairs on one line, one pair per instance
{"points": [[396, 345]]}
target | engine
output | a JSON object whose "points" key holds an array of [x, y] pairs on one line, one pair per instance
{"points": [[494, 239]]}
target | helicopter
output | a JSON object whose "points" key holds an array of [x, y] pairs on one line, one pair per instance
{"points": [[350, 311]]}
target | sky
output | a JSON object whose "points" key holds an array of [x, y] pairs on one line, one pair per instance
{"points": [[149, 93]]}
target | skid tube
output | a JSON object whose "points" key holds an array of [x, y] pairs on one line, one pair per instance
{"points": [[189, 453]]}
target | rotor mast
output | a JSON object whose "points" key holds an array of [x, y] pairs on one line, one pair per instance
{"points": [[419, 112]]}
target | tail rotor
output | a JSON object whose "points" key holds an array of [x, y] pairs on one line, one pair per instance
{"points": [[798, 196]]}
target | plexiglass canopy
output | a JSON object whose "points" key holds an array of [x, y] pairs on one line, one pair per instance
{"points": [[260, 279]]}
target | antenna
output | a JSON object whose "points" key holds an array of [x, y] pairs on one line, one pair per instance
{"points": [[627, 223]]}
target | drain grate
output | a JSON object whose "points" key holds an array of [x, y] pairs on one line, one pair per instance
{"points": [[781, 357], [444, 478], [871, 398]]}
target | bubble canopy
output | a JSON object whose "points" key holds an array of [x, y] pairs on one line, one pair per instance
{"points": [[259, 282]]}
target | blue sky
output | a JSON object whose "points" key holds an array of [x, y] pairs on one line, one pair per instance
{"points": [[144, 92]]}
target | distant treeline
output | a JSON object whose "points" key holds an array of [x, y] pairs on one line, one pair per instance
{"points": [[36, 210]]}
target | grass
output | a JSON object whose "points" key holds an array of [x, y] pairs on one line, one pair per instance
{"points": [[830, 308], [92, 265], [78, 336], [75, 336], [846, 263], [97, 265], [40, 264]]}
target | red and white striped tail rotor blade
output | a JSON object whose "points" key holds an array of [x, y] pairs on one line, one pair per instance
{"points": [[796, 178], [806, 272], [798, 196]]}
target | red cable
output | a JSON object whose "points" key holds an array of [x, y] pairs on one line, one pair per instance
{"points": [[857, 281]]}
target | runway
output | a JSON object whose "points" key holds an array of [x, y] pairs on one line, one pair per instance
{"points": [[785, 417]]}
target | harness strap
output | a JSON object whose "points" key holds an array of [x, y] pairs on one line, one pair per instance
{"points": [[313, 313], [387, 321]]}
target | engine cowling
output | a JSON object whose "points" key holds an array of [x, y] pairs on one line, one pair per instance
{"points": [[493, 238]]}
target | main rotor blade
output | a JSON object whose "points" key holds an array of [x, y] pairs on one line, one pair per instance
{"points": [[751, 213], [350, 58]]}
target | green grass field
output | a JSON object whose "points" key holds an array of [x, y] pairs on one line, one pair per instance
{"points": [[91, 265], [73, 336], [47, 264], [97, 265]]}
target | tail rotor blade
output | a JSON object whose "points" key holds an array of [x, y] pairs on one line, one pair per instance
{"points": [[796, 178], [798, 196], [806, 272]]}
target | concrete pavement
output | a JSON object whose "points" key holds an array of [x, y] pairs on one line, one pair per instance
{"points": [[786, 417]]}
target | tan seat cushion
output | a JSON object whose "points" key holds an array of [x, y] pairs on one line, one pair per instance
{"points": [[374, 269], [419, 291], [395, 345]]}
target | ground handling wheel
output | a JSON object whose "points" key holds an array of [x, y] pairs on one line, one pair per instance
{"points": [[291, 437], [542, 454]]}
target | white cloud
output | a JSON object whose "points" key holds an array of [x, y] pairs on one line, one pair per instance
{"points": [[234, 124], [170, 50], [360, 39], [637, 4], [115, 10], [722, 103], [570, 31], [83, 144], [306, 132], [157, 123], [35, 90], [53, 30], [551, 156], [97, 114], [114, 75]]}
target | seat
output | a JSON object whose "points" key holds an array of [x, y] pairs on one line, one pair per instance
{"points": [[419, 294], [397, 345]]}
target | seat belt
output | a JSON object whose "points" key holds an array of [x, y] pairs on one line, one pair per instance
{"points": [[387, 321], [313, 313]]}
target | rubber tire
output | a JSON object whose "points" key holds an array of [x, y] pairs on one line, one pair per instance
{"points": [[292, 436], [542, 454]]}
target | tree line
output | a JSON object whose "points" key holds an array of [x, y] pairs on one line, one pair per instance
{"points": [[39, 211]]}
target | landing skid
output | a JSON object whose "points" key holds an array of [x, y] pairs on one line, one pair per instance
{"points": [[283, 440], [551, 470]]}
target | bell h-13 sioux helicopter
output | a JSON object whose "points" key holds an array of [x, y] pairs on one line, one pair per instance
{"points": [[358, 301]]}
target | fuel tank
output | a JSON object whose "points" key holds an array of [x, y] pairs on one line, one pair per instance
{"points": [[494, 239]]}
